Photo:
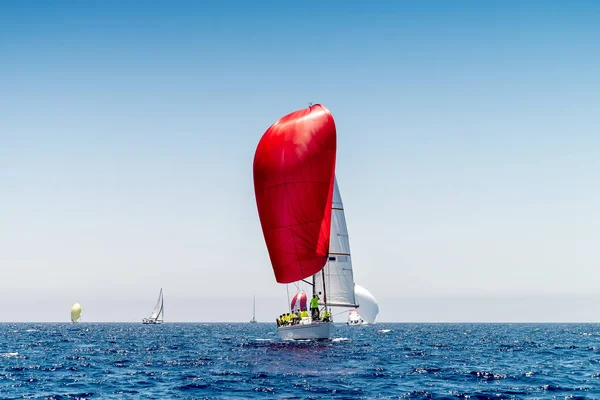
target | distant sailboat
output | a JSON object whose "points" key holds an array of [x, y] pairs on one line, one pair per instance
{"points": [[253, 320], [157, 314], [354, 318], [76, 313], [303, 225], [368, 308]]}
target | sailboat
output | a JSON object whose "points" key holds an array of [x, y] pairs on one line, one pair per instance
{"points": [[157, 314], [253, 320], [76, 313], [354, 318], [301, 214], [369, 308]]}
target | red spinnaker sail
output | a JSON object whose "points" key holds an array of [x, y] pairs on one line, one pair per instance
{"points": [[294, 168], [299, 302]]}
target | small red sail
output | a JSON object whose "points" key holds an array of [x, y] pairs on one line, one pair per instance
{"points": [[294, 168], [299, 302]]}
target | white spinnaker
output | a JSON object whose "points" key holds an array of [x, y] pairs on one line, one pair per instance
{"points": [[75, 312], [368, 308], [339, 280]]}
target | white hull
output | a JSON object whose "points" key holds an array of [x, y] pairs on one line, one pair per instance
{"points": [[315, 330], [151, 321]]}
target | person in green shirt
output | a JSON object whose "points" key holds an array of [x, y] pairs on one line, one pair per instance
{"points": [[314, 306]]}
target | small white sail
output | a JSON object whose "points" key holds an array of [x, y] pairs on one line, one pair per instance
{"points": [[339, 279], [368, 308], [75, 312], [159, 308], [159, 316], [253, 320], [157, 313]]}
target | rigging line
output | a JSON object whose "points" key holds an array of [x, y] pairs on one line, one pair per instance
{"points": [[341, 312]]}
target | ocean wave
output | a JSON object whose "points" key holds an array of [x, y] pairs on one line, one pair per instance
{"points": [[341, 339], [11, 355]]}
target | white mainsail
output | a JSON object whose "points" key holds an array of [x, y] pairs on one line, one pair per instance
{"points": [[157, 313], [339, 280], [368, 308]]}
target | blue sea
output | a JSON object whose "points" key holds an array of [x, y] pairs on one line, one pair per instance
{"points": [[245, 361]]}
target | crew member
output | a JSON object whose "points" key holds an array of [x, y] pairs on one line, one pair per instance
{"points": [[314, 306]]}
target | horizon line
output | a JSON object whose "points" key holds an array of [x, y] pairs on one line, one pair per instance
{"points": [[335, 323]]}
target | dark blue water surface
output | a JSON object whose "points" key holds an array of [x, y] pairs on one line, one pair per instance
{"points": [[194, 361]]}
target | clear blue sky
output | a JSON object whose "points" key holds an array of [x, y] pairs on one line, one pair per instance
{"points": [[468, 149]]}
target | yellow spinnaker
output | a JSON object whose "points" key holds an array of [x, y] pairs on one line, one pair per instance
{"points": [[75, 312]]}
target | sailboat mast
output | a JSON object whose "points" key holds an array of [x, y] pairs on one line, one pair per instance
{"points": [[254, 308], [324, 291]]}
